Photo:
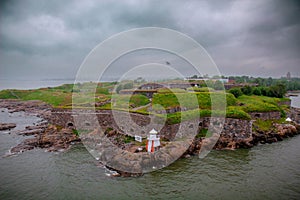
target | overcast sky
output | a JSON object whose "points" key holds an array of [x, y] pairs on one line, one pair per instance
{"points": [[50, 39]]}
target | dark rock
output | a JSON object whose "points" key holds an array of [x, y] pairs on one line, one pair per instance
{"points": [[194, 148], [31, 132], [21, 148], [43, 126], [7, 126], [271, 140], [52, 139]]}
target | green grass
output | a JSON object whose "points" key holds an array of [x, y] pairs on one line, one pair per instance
{"points": [[129, 101], [174, 90], [201, 89], [128, 139], [54, 98], [237, 113], [192, 101], [231, 112], [266, 125], [61, 96], [204, 133], [194, 104], [259, 103]]}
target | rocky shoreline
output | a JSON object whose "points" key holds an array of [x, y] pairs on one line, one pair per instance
{"points": [[44, 135], [53, 137], [279, 133]]}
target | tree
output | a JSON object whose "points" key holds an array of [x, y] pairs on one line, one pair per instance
{"points": [[139, 80], [236, 92], [218, 85], [194, 76], [264, 91], [247, 90], [277, 90], [119, 87], [256, 91], [210, 83], [269, 81], [128, 85]]}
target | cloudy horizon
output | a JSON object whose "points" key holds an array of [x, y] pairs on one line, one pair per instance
{"points": [[50, 39]]}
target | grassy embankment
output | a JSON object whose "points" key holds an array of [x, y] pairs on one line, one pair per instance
{"points": [[86, 97]]}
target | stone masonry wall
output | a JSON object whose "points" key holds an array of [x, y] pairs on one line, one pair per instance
{"points": [[234, 129], [295, 114], [265, 115]]}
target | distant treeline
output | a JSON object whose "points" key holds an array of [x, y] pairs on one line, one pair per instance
{"points": [[290, 84], [277, 90]]}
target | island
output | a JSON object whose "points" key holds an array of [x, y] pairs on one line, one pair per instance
{"points": [[253, 114]]}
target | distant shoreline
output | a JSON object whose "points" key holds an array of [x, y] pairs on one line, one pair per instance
{"points": [[293, 92]]}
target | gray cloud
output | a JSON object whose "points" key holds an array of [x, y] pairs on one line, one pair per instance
{"points": [[49, 39]]}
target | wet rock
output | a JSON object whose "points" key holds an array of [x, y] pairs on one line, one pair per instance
{"points": [[118, 173], [234, 141], [194, 148], [52, 139], [279, 132], [33, 106], [21, 148], [41, 126], [31, 132], [7, 126], [55, 140], [271, 140]]}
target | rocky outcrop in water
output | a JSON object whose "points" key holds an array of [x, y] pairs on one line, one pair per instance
{"points": [[51, 139], [278, 133], [7, 126], [36, 107], [43, 135]]}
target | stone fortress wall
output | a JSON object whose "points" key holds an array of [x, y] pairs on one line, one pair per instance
{"points": [[232, 128]]}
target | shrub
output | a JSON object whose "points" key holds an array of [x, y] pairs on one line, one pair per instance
{"points": [[202, 133], [119, 88], [230, 99], [264, 91], [139, 100], [247, 90], [128, 85], [218, 85], [236, 92], [256, 91], [277, 90], [201, 89], [100, 90]]}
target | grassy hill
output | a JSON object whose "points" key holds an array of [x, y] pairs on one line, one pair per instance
{"points": [[192, 103]]}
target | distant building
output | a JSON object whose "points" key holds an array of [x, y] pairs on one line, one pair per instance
{"points": [[288, 75], [231, 81], [228, 86], [148, 92], [223, 80], [151, 86], [183, 85]]}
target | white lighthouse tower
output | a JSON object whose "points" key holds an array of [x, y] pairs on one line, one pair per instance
{"points": [[153, 140]]}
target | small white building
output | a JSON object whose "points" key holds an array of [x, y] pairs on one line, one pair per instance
{"points": [[153, 141], [288, 119]]}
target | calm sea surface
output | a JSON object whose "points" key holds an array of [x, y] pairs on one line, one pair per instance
{"points": [[31, 84], [270, 171]]}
